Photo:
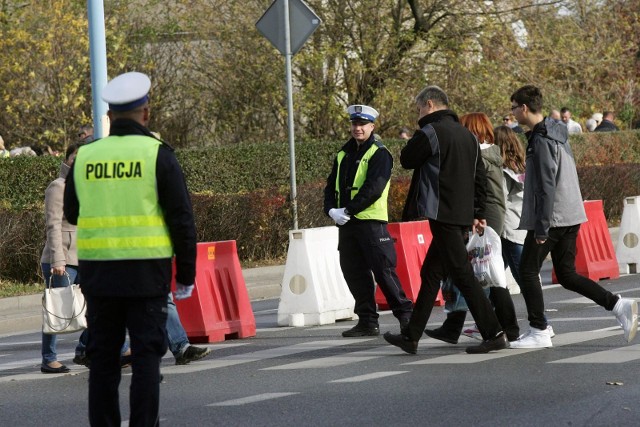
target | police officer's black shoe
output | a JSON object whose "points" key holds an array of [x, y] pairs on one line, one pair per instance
{"points": [[362, 331], [442, 335], [402, 341]]}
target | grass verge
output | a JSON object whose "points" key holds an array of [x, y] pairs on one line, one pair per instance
{"points": [[9, 288]]}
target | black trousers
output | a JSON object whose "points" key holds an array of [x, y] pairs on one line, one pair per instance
{"points": [[109, 318], [561, 242], [367, 252], [447, 256]]}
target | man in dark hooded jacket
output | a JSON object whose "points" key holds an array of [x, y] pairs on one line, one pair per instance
{"points": [[449, 188]]}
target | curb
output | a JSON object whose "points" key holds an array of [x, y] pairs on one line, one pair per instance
{"points": [[23, 314]]}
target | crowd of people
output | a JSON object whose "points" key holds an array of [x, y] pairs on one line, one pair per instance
{"points": [[467, 176], [597, 122]]}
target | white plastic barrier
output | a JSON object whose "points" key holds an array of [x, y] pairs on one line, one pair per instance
{"points": [[628, 249], [314, 291]]}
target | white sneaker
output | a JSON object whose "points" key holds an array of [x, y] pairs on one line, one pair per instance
{"points": [[626, 311], [535, 338], [551, 333]]}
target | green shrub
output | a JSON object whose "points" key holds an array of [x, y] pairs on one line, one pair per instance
{"points": [[23, 237], [242, 193]]}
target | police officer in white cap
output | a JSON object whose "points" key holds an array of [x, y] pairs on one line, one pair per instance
{"points": [[356, 199], [127, 194]]}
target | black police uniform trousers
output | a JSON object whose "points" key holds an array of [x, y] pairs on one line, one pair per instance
{"points": [[365, 248], [447, 255], [108, 319]]}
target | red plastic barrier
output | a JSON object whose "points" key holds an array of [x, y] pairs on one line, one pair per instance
{"points": [[411, 241], [219, 307], [595, 256]]}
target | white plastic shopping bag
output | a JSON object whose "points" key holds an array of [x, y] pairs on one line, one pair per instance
{"points": [[485, 254]]}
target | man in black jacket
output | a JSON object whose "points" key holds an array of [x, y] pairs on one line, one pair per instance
{"points": [[449, 188], [128, 196], [607, 124]]}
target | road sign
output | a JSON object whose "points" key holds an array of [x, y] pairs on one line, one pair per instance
{"points": [[302, 23]]}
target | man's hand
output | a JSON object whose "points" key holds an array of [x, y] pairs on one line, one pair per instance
{"points": [[339, 216], [183, 291], [479, 225]]}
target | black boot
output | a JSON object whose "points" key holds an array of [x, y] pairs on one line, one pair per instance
{"points": [[451, 329]]}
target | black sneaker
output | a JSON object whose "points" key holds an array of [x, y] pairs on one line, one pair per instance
{"points": [[191, 354], [441, 335], [402, 341], [362, 331], [497, 343]]}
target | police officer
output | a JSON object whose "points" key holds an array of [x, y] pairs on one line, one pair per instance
{"points": [[355, 197], [128, 196]]}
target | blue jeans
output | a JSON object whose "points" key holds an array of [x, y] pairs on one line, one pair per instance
{"points": [[49, 341], [511, 254], [176, 334]]}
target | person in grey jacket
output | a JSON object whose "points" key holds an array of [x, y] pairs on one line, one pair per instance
{"points": [[59, 260], [552, 212]]}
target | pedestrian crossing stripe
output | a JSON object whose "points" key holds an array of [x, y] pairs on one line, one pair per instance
{"points": [[253, 399], [256, 356], [615, 355], [338, 360], [367, 377]]}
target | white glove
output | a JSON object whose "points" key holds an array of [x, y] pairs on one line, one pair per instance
{"points": [[339, 216], [183, 291]]}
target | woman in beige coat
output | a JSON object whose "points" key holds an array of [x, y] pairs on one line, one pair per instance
{"points": [[59, 259]]}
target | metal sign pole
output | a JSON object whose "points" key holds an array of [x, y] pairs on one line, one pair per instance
{"points": [[292, 154], [98, 59], [296, 31]]}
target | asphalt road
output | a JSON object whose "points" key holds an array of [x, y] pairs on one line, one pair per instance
{"points": [[312, 376]]}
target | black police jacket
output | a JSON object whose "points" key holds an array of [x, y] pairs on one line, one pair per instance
{"points": [[151, 277]]}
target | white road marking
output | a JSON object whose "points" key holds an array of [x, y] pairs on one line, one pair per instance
{"points": [[367, 377], [252, 399], [338, 360], [615, 355], [258, 356]]}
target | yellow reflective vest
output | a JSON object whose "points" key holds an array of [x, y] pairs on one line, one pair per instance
{"points": [[378, 210], [120, 218]]}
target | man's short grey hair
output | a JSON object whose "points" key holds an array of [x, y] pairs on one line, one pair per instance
{"points": [[433, 93]]}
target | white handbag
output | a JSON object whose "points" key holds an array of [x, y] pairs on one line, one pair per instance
{"points": [[63, 309]]}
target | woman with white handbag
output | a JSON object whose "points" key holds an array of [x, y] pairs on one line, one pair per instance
{"points": [[59, 259]]}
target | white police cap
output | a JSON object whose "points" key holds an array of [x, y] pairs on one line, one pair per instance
{"points": [[362, 112], [127, 91]]}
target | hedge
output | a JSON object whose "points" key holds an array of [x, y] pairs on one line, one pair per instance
{"points": [[242, 193]]}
